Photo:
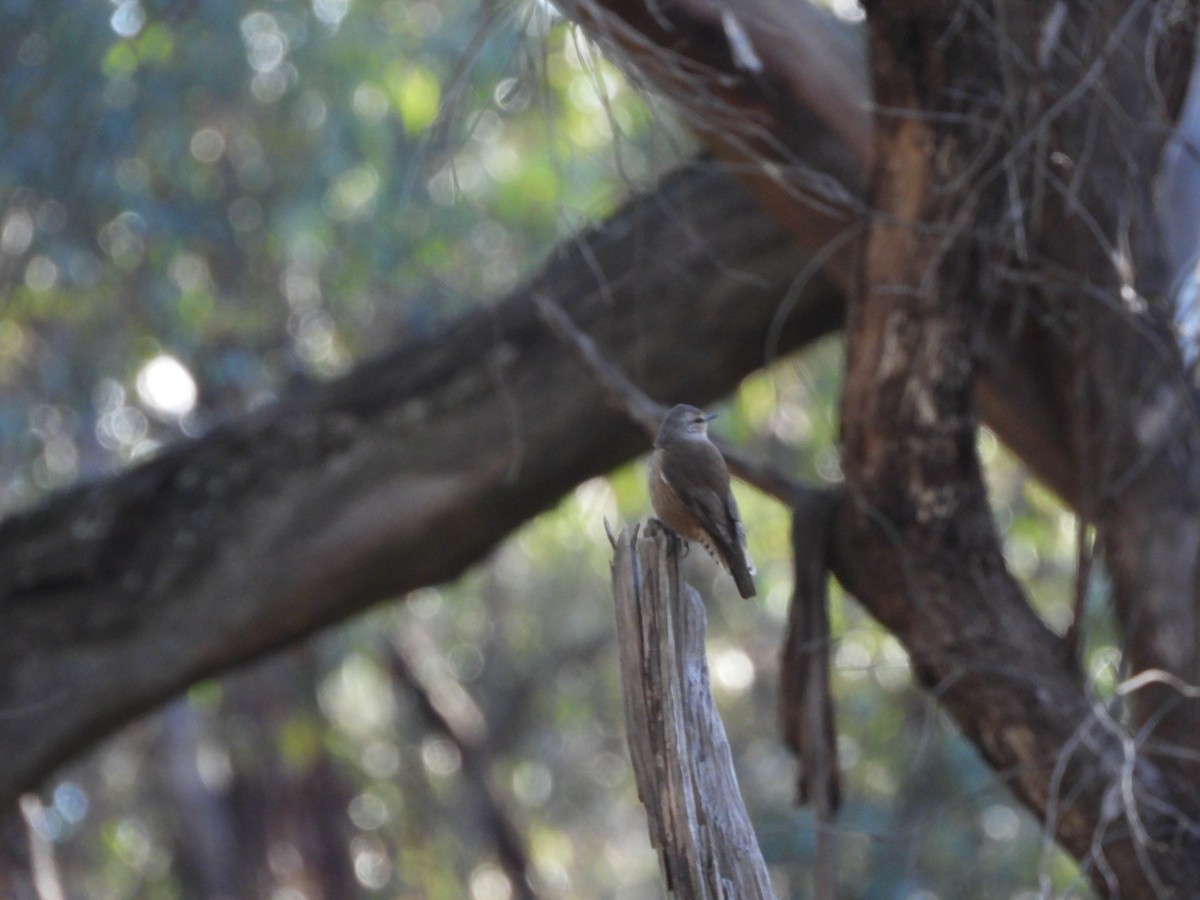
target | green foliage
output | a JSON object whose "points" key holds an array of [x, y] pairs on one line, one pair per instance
{"points": [[267, 191]]}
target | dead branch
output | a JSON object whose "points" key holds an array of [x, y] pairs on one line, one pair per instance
{"points": [[806, 704], [619, 387], [805, 699]]}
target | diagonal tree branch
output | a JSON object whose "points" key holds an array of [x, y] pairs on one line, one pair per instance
{"points": [[778, 131], [468, 732], [1085, 421], [401, 474], [648, 415]]}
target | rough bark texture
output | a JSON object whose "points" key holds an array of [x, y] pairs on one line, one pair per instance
{"points": [[946, 243], [1134, 414], [805, 159], [681, 759], [1013, 253], [403, 473]]}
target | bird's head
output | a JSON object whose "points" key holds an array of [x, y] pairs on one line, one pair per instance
{"points": [[684, 421]]}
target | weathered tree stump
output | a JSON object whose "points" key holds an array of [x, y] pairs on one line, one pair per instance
{"points": [[681, 759]]}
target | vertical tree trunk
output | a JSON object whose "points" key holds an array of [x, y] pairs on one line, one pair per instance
{"points": [[975, 108]]}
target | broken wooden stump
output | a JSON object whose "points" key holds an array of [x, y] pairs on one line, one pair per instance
{"points": [[681, 759]]}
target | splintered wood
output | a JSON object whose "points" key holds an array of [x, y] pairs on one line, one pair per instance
{"points": [[681, 757]]}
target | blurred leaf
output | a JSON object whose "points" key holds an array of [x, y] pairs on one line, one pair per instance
{"points": [[416, 94]]}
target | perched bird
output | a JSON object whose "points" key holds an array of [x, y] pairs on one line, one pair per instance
{"points": [[689, 489]]}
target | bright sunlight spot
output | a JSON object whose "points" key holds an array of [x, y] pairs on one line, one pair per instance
{"points": [[166, 386]]}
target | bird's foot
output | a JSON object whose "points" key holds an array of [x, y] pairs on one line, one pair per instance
{"points": [[655, 524]]}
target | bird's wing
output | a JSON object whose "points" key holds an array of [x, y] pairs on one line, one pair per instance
{"points": [[706, 497], [739, 530], [709, 499]]}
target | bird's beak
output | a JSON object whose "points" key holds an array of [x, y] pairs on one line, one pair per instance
{"points": [[710, 417]]}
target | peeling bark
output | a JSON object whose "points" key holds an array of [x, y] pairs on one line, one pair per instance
{"points": [[1026, 322], [916, 505]]}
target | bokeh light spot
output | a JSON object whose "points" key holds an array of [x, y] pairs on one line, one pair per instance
{"points": [[166, 386]]}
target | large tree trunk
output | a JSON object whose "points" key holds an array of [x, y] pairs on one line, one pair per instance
{"points": [[1012, 250], [969, 217]]}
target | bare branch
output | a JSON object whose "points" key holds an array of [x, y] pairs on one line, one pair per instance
{"points": [[645, 412], [621, 390], [805, 698]]}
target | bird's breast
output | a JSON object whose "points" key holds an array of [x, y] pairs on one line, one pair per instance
{"points": [[667, 505]]}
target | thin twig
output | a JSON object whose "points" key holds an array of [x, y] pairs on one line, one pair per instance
{"points": [[648, 414], [1084, 555]]}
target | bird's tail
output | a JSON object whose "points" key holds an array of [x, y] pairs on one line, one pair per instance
{"points": [[735, 559], [742, 568], [743, 577]]}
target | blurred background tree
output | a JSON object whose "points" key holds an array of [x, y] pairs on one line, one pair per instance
{"points": [[205, 204]]}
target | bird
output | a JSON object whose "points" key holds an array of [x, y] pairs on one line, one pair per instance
{"points": [[689, 490]]}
